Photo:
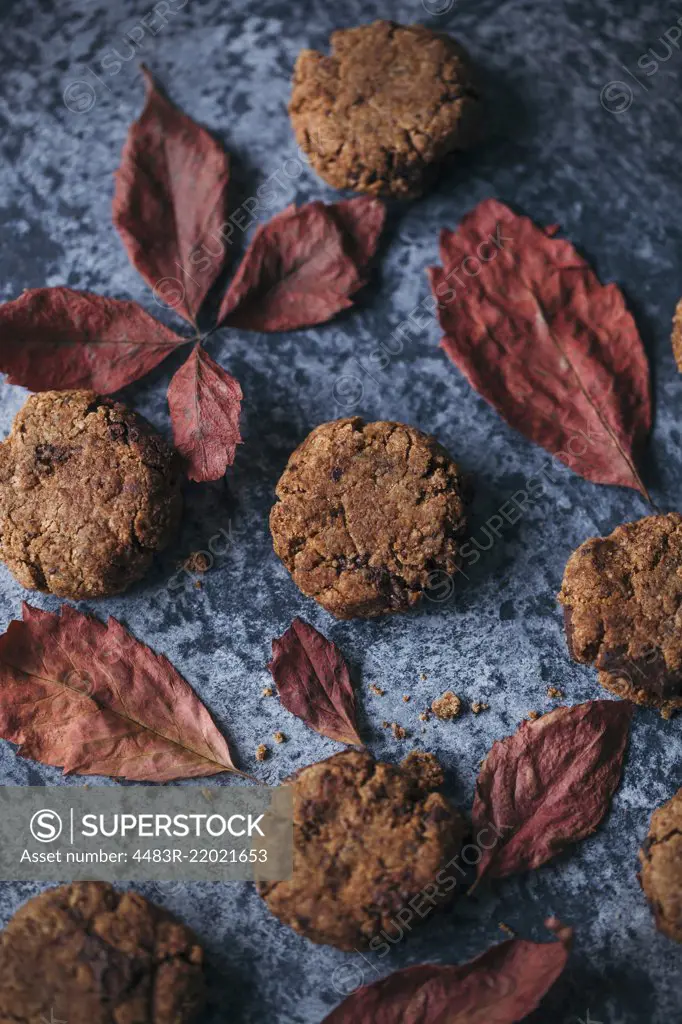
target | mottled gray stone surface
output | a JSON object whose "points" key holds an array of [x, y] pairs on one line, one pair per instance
{"points": [[612, 180]]}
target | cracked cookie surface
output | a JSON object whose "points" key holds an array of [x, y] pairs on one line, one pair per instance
{"points": [[622, 598], [389, 103], [88, 492], [368, 838], [87, 954], [661, 867], [367, 513]]}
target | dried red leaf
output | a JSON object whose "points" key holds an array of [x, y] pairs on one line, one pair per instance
{"points": [[554, 351], [302, 266], [170, 203], [502, 985], [92, 699], [58, 338], [362, 220], [313, 682], [205, 402], [548, 785]]}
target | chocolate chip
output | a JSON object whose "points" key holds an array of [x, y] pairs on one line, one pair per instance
{"points": [[54, 454]]}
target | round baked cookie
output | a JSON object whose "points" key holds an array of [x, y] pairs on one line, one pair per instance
{"points": [[368, 838], [676, 338], [86, 954], [88, 493], [622, 598], [661, 871], [387, 105], [369, 515]]}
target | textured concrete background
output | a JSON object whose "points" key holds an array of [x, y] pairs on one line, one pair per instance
{"points": [[555, 151]]}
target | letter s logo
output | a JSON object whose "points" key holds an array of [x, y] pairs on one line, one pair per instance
{"points": [[46, 826]]}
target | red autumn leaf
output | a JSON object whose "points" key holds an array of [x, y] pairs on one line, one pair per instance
{"points": [[501, 986], [170, 203], [92, 699], [58, 338], [313, 682], [554, 351], [362, 221], [302, 266], [548, 785], [204, 403]]}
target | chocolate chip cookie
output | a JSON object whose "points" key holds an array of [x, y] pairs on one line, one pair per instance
{"points": [[369, 516], [88, 493], [368, 838], [661, 872], [387, 105], [622, 598], [87, 954]]}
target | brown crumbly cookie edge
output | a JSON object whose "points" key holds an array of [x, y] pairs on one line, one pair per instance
{"points": [[676, 338], [660, 874]]}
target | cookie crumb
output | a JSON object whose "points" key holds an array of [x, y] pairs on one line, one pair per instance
{"points": [[278, 737], [506, 929], [447, 706], [268, 691], [198, 561], [423, 677], [261, 752], [398, 731], [424, 716], [534, 715], [479, 706], [563, 932], [406, 698], [554, 691], [376, 689]]}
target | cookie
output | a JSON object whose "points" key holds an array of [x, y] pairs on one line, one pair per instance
{"points": [[368, 517], [87, 954], [368, 838], [385, 108], [661, 867], [88, 493], [622, 598], [676, 338]]}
